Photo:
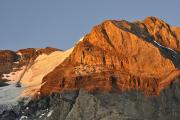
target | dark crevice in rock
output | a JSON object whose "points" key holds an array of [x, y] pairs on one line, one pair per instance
{"points": [[114, 83], [107, 37]]}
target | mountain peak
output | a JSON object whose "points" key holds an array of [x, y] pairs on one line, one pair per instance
{"points": [[152, 19], [128, 55]]}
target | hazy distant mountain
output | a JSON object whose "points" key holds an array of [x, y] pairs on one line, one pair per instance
{"points": [[120, 70]]}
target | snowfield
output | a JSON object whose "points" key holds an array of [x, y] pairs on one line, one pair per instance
{"points": [[10, 94], [14, 76], [44, 64], [30, 77]]}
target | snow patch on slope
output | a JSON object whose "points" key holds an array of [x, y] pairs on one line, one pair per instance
{"points": [[14, 76], [23, 118], [10, 94], [50, 113], [164, 46], [19, 53]]}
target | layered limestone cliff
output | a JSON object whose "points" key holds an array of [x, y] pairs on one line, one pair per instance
{"points": [[120, 56]]}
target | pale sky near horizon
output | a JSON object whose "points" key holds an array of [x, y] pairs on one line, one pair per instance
{"points": [[60, 23]]}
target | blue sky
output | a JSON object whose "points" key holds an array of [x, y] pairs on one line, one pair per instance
{"points": [[60, 23]]}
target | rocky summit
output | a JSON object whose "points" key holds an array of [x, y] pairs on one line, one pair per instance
{"points": [[120, 70]]}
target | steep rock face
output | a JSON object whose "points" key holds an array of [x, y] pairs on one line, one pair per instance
{"points": [[176, 31], [119, 55], [163, 33], [7, 58]]}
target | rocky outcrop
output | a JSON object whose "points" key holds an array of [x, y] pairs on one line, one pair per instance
{"points": [[119, 55], [30, 54], [7, 58], [132, 105]]}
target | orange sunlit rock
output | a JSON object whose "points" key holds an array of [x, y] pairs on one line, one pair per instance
{"points": [[120, 56]]}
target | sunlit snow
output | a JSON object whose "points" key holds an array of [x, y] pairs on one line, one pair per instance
{"points": [[30, 77]]}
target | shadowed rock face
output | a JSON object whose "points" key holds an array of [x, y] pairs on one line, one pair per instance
{"points": [[119, 55], [163, 33], [7, 58], [128, 105]]}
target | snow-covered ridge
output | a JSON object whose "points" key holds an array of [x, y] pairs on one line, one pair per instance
{"points": [[81, 39]]}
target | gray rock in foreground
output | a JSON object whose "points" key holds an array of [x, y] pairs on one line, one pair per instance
{"points": [[130, 105]]}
